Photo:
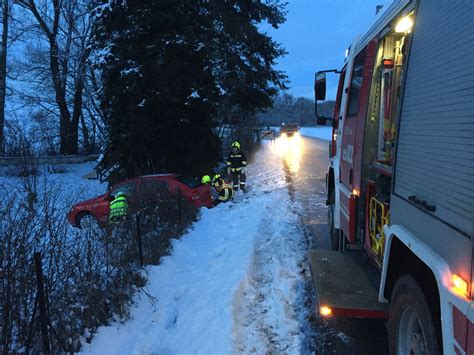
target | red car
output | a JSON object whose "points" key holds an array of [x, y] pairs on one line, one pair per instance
{"points": [[191, 189]]}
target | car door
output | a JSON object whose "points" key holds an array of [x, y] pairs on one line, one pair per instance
{"points": [[151, 191]]}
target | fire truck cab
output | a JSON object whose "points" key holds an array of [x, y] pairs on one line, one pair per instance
{"points": [[401, 179]]}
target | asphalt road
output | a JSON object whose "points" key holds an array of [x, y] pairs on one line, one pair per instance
{"points": [[305, 164]]}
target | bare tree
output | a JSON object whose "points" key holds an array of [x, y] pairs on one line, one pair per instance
{"points": [[66, 27], [5, 7]]}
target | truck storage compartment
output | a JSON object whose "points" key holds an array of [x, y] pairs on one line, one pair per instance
{"points": [[435, 155]]}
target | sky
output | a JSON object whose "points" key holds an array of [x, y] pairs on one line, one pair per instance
{"points": [[316, 35]]}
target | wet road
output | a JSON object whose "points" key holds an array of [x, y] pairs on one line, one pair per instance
{"points": [[305, 163]]}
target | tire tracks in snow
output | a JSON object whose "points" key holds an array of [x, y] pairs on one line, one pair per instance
{"points": [[268, 308]]}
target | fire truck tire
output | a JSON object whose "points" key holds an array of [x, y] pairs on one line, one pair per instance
{"points": [[333, 232], [411, 327]]}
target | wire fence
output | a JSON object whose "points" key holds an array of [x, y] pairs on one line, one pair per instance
{"points": [[58, 284]]}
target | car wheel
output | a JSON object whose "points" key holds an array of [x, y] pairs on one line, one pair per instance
{"points": [[88, 221], [411, 326], [333, 232]]}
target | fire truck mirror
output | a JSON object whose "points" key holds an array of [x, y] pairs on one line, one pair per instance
{"points": [[320, 86]]}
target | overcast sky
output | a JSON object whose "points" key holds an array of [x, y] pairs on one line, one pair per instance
{"points": [[316, 35]]}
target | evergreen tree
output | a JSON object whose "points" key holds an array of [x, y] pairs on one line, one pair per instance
{"points": [[168, 67]]}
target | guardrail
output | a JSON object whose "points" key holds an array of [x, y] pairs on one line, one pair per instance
{"points": [[53, 160]]}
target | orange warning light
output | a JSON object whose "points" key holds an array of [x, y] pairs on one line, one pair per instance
{"points": [[460, 285], [325, 311]]}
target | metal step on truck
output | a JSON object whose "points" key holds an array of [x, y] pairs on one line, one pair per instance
{"points": [[401, 179]]}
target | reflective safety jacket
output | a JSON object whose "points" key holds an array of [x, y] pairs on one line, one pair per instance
{"points": [[118, 208], [236, 161], [225, 194]]}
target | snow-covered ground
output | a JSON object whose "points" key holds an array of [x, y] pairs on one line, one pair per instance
{"points": [[67, 178], [323, 132], [232, 284]]}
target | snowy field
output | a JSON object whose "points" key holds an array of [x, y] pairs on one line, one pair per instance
{"points": [[323, 132], [232, 284], [67, 178]]}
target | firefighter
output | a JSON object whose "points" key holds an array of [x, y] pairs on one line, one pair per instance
{"points": [[225, 191], [118, 208], [236, 164], [206, 180]]}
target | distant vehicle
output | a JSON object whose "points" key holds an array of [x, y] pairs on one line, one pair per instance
{"points": [[136, 189], [289, 129]]}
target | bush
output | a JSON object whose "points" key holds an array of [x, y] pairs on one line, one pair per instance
{"points": [[89, 274]]}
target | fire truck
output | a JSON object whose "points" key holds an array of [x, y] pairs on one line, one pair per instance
{"points": [[401, 179]]}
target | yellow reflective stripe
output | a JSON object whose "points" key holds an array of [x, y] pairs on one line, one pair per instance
{"points": [[229, 163], [244, 162], [225, 197], [117, 200], [228, 192]]}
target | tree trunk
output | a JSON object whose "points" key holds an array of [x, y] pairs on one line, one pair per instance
{"points": [[66, 144], [77, 105], [85, 132], [3, 70]]}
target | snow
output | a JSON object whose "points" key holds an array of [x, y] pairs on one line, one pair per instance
{"points": [[323, 132], [68, 179], [231, 284]]}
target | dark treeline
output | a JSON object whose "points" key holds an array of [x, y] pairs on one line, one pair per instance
{"points": [[287, 108]]}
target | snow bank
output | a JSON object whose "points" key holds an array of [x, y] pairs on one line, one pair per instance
{"points": [[231, 284], [323, 132]]}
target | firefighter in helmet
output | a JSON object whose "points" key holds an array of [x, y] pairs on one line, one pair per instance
{"points": [[206, 180], [225, 191], [236, 164], [118, 208]]}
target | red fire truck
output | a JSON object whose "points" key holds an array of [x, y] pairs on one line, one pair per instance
{"points": [[401, 179]]}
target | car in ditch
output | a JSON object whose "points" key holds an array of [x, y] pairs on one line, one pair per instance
{"points": [[137, 190]]}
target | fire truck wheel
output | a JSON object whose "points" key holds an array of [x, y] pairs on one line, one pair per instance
{"points": [[333, 232], [411, 326]]}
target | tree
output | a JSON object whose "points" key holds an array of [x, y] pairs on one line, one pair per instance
{"points": [[66, 29], [170, 67], [5, 7], [286, 109], [244, 57]]}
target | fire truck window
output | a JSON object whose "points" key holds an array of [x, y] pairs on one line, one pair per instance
{"points": [[356, 83]]}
